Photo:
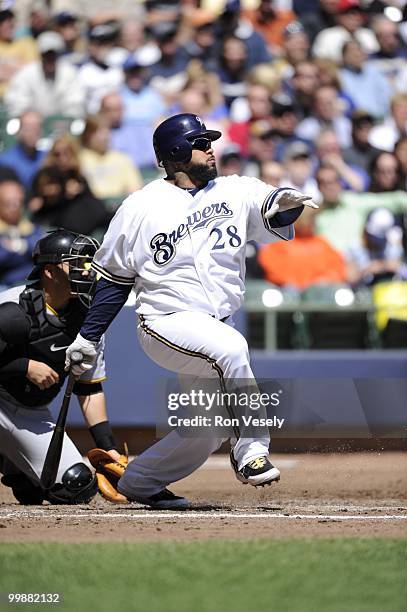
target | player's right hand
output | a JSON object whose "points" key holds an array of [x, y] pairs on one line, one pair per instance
{"points": [[88, 350], [41, 374]]}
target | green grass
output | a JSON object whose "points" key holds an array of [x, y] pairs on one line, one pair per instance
{"points": [[337, 575]]}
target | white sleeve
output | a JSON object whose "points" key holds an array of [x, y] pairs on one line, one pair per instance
{"points": [[260, 198], [115, 258]]}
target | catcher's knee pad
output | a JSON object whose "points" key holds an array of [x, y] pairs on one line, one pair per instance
{"points": [[24, 490], [78, 486]]}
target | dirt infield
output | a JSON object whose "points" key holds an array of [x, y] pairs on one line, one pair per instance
{"points": [[319, 495]]}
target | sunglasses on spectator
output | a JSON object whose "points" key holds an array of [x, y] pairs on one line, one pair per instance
{"points": [[201, 144]]}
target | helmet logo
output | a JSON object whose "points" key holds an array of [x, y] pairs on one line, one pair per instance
{"points": [[200, 122]]}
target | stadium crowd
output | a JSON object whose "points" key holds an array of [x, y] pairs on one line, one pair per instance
{"points": [[310, 94]]}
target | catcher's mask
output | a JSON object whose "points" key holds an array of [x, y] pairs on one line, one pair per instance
{"points": [[77, 250]]}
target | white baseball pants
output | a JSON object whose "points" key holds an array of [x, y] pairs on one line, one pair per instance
{"points": [[25, 434], [198, 345]]}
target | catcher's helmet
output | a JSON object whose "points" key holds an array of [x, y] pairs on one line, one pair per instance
{"points": [[76, 249], [172, 139]]}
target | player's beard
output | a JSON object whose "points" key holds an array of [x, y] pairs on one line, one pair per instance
{"points": [[201, 173]]}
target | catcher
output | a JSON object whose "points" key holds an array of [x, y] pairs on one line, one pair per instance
{"points": [[37, 322]]}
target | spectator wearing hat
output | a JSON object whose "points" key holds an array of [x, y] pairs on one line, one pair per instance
{"points": [[361, 152], [98, 75], [350, 19], [67, 24], [17, 235], [379, 257], [298, 169], [269, 21], [319, 17], [202, 43], [296, 49], [232, 23], [231, 161], [25, 157], [14, 52], [168, 74], [362, 82], [327, 112], [391, 57], [385, 135], [49, 86]]}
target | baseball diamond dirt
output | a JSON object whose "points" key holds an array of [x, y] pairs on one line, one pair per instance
{"points": [[319, 495]]}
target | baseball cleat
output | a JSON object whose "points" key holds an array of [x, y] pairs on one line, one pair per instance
{"points": [[258, 472], [164, 500]]}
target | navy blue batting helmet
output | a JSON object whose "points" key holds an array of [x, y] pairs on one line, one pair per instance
{"points": [[172, 139]]}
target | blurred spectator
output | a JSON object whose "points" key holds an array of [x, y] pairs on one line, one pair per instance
{"points": [[386, 135], [202, 43], [386, 173], [59, 199], [60, 194], [321, 17], [8, 174], [134, 110], [328, 74], [362, 82], [327, 112], [361, 152], [302, 87], [295, 49], [261, 147], [342, 214], [168, 74], [231, 161], [208, 84], [272, 173], [392, 54], [14, 52], [307, 260], [97, 76], [24, 157], [269, 20], [111, 174], [132, 36], [350, 19], [68, 26], [298, 169], [230, 23], [49, 86], [38, 20], [400, 151], [329, 153], [264, 76], [232, 69], [284, 121], [17, 235], [259, 109], [379, 257]]}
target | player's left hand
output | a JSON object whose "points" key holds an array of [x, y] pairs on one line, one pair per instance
{"points": [[287, 199], [88, 351]]}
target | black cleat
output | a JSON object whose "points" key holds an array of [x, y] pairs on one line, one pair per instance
{"points": [[258, 472], [164, 500]]}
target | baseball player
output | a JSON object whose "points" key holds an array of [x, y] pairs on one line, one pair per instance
{"points": [[181, 242], [37, 323]]}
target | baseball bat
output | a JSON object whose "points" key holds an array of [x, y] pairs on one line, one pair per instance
{"points": [[53, 457]]}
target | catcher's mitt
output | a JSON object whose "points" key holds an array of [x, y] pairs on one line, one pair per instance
{"points": [[108, 472]]}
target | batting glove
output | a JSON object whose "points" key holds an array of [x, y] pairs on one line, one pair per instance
{"points": [[88, 352], [287, 199]]}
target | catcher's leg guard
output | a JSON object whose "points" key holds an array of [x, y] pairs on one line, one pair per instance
{"points": [[78, 486], [24, 490]]}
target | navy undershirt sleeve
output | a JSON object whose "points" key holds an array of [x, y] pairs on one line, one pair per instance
{"points": [[282, 219], [107, 302]]}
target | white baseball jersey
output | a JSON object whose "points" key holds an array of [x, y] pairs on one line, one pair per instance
{"points": [[186, 252]]}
